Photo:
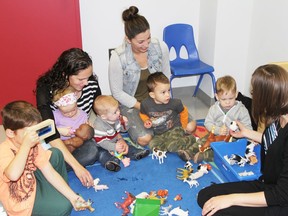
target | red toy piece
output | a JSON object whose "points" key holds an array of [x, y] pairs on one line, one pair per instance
{"points": [[162, 193], [127, 202]]}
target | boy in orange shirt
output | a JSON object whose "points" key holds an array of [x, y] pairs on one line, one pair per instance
{"points": [[33, 181]]}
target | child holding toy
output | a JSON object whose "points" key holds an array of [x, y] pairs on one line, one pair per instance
{"points": [[269, 194], [220, 116], [226, 109], [71, 121], [33, 181], [167, 116], [107, 128]]}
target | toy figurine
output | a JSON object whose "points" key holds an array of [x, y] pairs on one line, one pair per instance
{"points": [[188, 165], [233, 126], [85, 205], [191, 182], [184, 173], [158, 154], [127, 202], [162, 193], [212, 138], [249, 157], [97, 187], [178, 197], [176, 211], [191, 179], [153, 196]]}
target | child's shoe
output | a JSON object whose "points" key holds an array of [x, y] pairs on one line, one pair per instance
{"points": [[141, 154], [199, 157], [112, 166], [184, 155]]}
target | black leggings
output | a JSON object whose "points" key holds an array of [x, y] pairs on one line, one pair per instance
{"points": [[239, 187]]}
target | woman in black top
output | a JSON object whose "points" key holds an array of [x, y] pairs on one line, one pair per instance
{"points": [[269, 194], [73, 68]]}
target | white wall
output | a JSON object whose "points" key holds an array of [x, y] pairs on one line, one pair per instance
{"points": [[235, 36], [102, 27]]}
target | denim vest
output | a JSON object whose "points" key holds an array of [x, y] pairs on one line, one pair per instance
{"points": [[132, 70]]}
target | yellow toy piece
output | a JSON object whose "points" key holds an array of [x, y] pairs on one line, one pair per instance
{"points": [[184, 173]]}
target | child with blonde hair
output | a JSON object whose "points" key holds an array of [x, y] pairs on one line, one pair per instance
{"points": [[107, 127]]}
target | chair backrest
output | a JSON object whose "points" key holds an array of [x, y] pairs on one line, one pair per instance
{"points": [[181, 35]]}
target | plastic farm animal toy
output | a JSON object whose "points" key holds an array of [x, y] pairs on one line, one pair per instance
{"points": [[202, 169], [176, 211], [233, 126], [212, 138], [158, 154], [97, 187], [162, 193], [85, 205], [184, 173], [249, 157], [188, 165], [127, 202], [178, 197]]}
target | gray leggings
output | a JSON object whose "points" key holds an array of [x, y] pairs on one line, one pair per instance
{"points": [[135, 124]]}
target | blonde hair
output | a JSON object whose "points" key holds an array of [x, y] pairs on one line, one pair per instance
{"points": [[60, 93], [226, 84], [103, 103]]}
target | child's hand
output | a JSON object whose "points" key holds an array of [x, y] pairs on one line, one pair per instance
{"points": [[119, 146], [31, 138], [223, 130], [148, 123], [66, 131]]}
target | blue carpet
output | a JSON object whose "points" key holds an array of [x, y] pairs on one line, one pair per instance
{"points": [[142, 176]]}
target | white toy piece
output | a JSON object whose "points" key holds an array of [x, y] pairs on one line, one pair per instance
{"points": [[249, 157], [233, 126], [188, 165], [191, 182], [245, 173], [176, 211], [201, 171], [158, 154], [97, 187]]}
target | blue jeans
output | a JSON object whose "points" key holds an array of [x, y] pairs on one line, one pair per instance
{"points": [[89, 153]]}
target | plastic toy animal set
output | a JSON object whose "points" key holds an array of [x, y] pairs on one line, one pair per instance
{"points": [[187, 175], [148, 204]]}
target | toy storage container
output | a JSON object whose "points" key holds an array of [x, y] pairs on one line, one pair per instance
{"points": [[235, 172]]}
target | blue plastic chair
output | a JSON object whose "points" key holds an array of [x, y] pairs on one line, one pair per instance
{"points": [[181, 35]]}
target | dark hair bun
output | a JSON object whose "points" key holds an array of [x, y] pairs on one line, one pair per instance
{"points": [[130, 13]]}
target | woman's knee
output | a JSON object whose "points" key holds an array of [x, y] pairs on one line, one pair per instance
{"points": [[144, 140]]}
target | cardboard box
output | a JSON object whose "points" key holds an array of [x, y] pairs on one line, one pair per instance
{"points": [[146, 207], [235, 172]]}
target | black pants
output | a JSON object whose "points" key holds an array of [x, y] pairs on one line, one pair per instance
{"points": [[239, 187]]}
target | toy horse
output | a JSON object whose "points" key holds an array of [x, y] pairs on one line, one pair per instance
{"points": [[127, 202], [212, 138]]}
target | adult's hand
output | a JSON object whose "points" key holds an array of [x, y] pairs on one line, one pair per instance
{"points": [[215, 204], [84, 176]]}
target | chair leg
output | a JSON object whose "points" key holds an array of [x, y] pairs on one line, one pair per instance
{"points": [[213, 82], [197, 86], [171, 78]]}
